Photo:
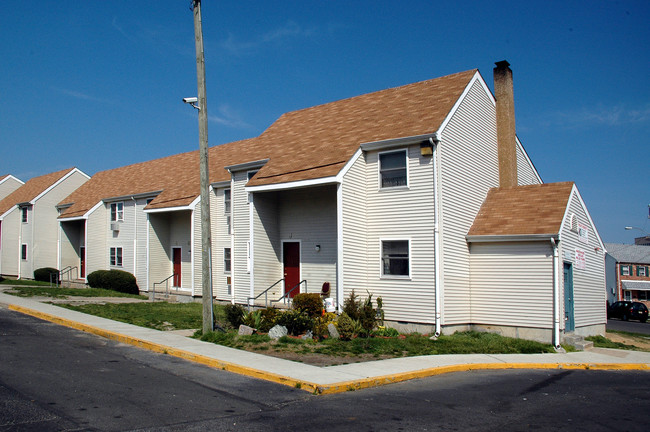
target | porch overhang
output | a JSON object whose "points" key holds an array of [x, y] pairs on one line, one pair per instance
{"points": [[635, 285], [293, 185]]}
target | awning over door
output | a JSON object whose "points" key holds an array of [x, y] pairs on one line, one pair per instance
{"points": [[636, 285]]}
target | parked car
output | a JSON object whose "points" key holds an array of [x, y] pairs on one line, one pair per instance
{"points": [[626, 310]]}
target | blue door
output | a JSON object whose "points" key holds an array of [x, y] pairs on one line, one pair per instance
{"points": [[569, 320]]}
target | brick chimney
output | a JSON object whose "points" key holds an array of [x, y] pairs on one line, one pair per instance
{"points": [[507, 147]]}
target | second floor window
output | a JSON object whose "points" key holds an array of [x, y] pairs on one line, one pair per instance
{"points": [[392, 169], [117, 212], [227, 263], [626, 270], [24, 212]]}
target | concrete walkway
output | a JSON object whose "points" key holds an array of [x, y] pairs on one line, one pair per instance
{"points": [[321, 380]]}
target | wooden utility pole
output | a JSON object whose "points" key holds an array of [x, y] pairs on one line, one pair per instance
{"points": [[206, 236]]}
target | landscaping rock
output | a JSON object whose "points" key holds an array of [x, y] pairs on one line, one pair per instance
{"points": [[334, 333], [278, 331], [308, 335], [244, 330]]}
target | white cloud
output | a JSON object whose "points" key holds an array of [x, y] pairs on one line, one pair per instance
{"points": [[228, 117], [600, 115], [78, 95], [278, 35]]}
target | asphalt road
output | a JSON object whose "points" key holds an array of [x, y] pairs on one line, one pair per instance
{"points": [[629, 326], [54, 378]]}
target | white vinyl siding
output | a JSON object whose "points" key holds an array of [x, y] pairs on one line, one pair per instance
{"points": [[526, 173], [241, 230], [468, 168], [8, 185], [354, 229], [10, 243], [123, 238], [588, 284], [267, 254], [405, 214], [159, 248], [97, 232], [221, 239], [309, 215], [512, 284]]}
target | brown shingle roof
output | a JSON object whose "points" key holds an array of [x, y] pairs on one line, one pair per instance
{"points": [[301, 145], [31, 189], [325, 137], [522, 210]]}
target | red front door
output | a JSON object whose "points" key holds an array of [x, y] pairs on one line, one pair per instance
{"points": [[82, 264], [291, 254], [176, 252]]}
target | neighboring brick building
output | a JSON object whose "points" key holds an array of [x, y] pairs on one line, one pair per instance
{"points": [[628, 276]]}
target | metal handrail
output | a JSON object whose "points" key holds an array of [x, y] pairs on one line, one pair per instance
{"points": [[288, 293], [64, 271], [266, 298], [165, 281]]}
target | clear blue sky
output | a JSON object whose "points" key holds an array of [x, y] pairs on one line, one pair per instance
{"points": [[98, 84]]}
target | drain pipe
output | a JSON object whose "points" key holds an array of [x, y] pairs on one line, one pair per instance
{"points": [[556, 294], [436, 234]]}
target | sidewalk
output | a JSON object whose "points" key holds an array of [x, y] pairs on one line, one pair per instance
{"points": [[321, 380]]}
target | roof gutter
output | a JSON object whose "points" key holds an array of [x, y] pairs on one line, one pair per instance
{"points": [[511, 238], [398, 142]]}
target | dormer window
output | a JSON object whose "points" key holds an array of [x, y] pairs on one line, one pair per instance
{"points": [[392, 169], [117, 212]]}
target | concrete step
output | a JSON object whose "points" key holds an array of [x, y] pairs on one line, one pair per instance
{"points": [[74, 284], [578, 342]]}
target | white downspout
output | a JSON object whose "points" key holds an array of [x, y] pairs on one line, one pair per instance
{"points": [[135, 237], [556, 294], [436, 238]]}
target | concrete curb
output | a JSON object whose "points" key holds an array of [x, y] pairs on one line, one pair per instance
{"points": [[312, 387]]}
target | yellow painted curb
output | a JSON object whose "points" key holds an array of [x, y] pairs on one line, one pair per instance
{"points": [[313, 387]]}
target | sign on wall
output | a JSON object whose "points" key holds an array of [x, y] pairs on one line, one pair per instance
{"points": [[581, 261], [583, 233]]}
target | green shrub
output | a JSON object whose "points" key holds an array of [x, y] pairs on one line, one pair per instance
{"points": [[269, 317], [253, 319], [296, 322], [345, 326], [310, 303], [351, 306], [367, 317], [235, 314], [321, 323], [116, 280], [97, 279], [43, 275]]}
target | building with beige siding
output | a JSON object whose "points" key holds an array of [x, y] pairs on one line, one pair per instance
{"points": [[377, 193], [28, 222], [8, 184]]}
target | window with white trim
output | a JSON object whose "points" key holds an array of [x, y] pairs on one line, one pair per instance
{"points": [[227, 262], [23, 252], [116, 256], [641, 270], [24, 211], [227, 206], [626, 270], [117, 211], [392, 169], [395, 258]]}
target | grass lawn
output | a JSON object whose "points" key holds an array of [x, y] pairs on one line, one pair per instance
{"points": [[24, 282], [167, 316], [158, 315], [633, 341], [56, 292]]}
